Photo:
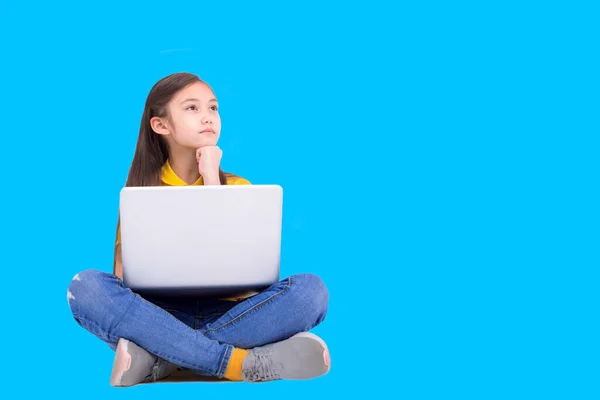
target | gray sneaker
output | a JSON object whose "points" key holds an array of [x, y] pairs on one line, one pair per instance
{"points": [[303, 356], [135, 365]]}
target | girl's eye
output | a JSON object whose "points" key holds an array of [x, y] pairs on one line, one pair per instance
{"points": [[214, 108], [190, 107]]}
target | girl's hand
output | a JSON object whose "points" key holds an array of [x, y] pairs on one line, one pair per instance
{"points": [[209, 161]]}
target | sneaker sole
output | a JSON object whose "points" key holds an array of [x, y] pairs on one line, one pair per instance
{"points": [[326, 356], [121, 364]]}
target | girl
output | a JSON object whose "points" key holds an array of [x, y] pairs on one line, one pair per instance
{"points": [[259, 337]]}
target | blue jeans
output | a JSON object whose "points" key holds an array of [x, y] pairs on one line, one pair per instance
{"points": [[195, 333]]}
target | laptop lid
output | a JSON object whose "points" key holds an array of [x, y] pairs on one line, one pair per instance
{"points": [[200, 239]]}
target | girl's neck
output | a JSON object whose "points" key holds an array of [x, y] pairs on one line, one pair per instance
{"points": [[184, 164]]}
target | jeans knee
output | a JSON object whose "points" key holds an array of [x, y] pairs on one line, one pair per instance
{"points": [[313, 294], [96, 302], [85, 290]]}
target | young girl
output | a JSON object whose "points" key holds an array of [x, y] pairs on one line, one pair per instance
{"points": [[260, 337]]}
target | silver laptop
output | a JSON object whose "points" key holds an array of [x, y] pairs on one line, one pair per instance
{"points": [[201, 240]]}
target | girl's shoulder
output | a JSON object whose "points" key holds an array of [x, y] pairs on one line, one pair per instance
{"points": [[233, 179]]}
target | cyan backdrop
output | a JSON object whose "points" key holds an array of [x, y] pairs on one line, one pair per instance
{"points": [[439, 166]]}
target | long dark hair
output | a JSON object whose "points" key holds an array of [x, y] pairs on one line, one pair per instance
{"points": [[151, 151]]}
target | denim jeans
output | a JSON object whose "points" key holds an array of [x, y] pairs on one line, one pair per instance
{"points": [[196, 333]]}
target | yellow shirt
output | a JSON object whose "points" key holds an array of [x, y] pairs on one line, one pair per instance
{"points": [[170, 178]]}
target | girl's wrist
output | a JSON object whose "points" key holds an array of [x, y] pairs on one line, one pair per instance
{"points": [[212, 180]]}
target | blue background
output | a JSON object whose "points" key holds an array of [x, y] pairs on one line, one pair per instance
{"points": [[439, 162]]}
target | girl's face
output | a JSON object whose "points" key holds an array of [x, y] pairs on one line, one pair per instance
{"points": [[194, 118]]}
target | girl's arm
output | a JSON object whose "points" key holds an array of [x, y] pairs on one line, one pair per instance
{"points": [[118, 264]]}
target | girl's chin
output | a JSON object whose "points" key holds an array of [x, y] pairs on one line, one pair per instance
{"points": [[203, 143], [207, 143]]}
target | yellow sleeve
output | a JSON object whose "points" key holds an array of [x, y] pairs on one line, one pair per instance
{"points": [[237, 180]]}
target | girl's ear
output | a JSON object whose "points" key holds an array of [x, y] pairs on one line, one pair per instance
{"points": [[159, 126]]}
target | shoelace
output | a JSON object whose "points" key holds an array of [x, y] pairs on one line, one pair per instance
{"points": [[158, 371], [262, 370]]}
